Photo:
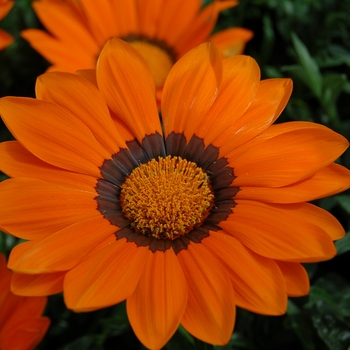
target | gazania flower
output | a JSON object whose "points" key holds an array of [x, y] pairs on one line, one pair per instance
{"points": [[185, 219], [161, 31], [5, 38], [21, 325]]}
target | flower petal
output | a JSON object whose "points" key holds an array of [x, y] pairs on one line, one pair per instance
{"points": [[128, 86], [231, 41], [105, 278], [285, 232], [64, 56], [63, 20], [191, 88], [24, 335], [5, 7], [53, 134], [287, 158], [297, 280], [160, 298], [37, 285], [240, 83], [64, 249], [85, 101], [203, 25], [181, 13], [326, 182], [270, 99], [257, 281], [16, 161], [35, 209], [5, 39], [110, 18], [210, 312]]}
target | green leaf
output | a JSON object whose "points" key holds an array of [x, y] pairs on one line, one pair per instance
{"points": [[343, 245], [333, 85], [312, 75], [180, 340], [329, 309], [237, 342], [344, 201], [302, 327]]}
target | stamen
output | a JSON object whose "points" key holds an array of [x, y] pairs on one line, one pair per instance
{"points": [[166, 198]]}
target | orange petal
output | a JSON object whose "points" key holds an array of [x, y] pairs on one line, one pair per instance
{"points": [[287, 158], [110, 18], [176, 19], [5, 39], [257, 282], [202, 26], [210, 313], [25, 334], [85, 101], [278, 130], [63, 55], [37, 285], [270, 99], [53, 134], [284, 232], [62, 250], [148, 15], [30, 306], [123, 17], [88, 74], [16, 161], [160, 298], [35, 209], [132, 98], [64, 21], [297, 280], [326, 182], [232, 41], [5, 7], [240, 83], [191, 88], [105, 278]]}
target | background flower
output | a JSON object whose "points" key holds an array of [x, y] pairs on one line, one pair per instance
{"points": [[21, 325], [5, 38], [161, 31]]}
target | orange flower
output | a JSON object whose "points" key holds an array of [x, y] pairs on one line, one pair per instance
{"points": [[5, 38], [21, 325], [162, 31], [185, 219]]}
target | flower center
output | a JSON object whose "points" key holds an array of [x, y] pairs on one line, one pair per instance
{"points": [[159, 58], [166, 198]]}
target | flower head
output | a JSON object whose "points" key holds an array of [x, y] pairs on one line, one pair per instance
{"points": [[161, 31], [5, 38], [21, 325], [184, 218]]}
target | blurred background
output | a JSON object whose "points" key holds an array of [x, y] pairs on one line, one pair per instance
{"points": [[306, 40]]}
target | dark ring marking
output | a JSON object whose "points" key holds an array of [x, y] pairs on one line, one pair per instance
{"points": [[115, 170], [153, 41]]}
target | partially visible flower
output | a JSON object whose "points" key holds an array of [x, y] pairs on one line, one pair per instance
{"points": [[21, 325], [185, 218], [161, 31], [5, 38]]}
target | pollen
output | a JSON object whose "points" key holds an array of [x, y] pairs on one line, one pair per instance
{"points": [[166, 197]]}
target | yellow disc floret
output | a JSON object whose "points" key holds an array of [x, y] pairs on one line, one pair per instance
{"points": [[166, 197], [158, 60]]}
